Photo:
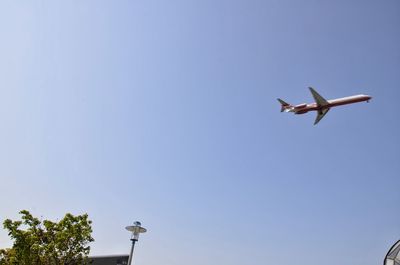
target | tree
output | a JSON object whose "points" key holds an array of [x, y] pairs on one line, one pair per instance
{"points": [[47, 243]]}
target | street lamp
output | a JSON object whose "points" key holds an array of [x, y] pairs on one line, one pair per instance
{"points": [[393, 255], [136, 229]]}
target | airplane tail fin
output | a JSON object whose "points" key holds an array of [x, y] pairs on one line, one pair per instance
{"points": [[284, 105]]}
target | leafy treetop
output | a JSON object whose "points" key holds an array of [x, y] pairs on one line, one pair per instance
{"points": [[46, 242]]}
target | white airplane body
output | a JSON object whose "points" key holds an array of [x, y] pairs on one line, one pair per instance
{"points": [[321, 105]]}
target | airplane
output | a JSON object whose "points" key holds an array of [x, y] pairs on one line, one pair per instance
{"points": [[321, 105]]}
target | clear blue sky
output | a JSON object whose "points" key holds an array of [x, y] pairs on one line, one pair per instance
{"points": [[166, 112]]}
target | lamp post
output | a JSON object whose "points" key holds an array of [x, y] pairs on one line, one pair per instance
{"points": [[136, 229]]}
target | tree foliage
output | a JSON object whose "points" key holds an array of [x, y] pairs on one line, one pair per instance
{"points": [[45, 242]]}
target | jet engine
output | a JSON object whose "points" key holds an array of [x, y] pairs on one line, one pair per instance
{"points": [[301, 106], [301, 111]]}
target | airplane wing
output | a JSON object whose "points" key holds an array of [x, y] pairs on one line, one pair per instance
{"points": [[318, 98], [320, 115]]}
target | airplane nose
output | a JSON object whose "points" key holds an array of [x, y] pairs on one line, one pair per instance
{"points": [[368, 98]]}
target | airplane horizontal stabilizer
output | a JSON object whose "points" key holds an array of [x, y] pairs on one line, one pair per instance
{"points": [[284, 104]]}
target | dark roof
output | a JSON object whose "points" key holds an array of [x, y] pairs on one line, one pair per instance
{"points": [[109, 260]]}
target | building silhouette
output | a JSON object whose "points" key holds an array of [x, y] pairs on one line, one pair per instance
{"points": [[109, 260]]}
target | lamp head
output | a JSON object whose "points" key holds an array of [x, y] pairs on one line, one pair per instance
{"points": [[136, 229]]}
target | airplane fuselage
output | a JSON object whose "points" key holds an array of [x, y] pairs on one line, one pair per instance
{"points": [[304, 108]]}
